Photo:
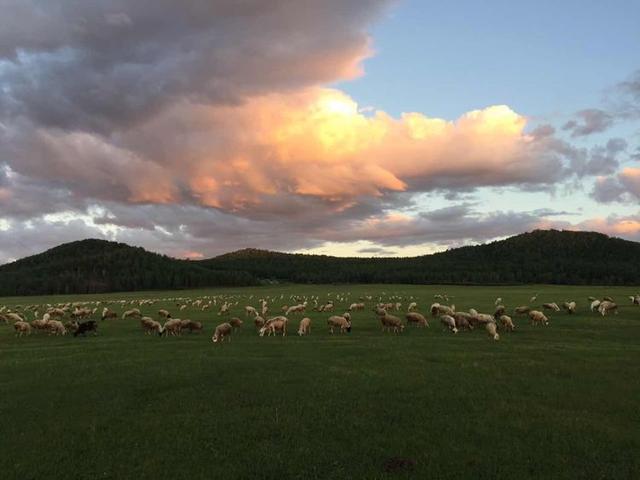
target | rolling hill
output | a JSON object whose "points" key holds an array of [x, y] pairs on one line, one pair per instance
{"points": [[541, 256]]}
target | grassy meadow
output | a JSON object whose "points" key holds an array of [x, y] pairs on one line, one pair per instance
{"points": [[555, 402]]}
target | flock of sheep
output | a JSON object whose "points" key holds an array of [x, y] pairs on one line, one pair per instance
{"points": [[75, 317]]}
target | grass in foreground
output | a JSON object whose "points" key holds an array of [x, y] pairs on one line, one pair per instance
{"points": [[556, 402]]}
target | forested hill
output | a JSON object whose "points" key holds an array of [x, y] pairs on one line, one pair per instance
{"points": [[94, 266], [542, 256]]}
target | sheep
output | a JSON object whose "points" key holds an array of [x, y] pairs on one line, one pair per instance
{"points": [[391, 322], [594, 305], [41, 324], [356, 306], [537, 317], [327, 307], [437, 309], [259, 322], [491, 329], [56, 312], [337, 321], [192, 326], [273, 325], [222, 331], [480, 318], [570, 307], [606, 307], [149, 325], [498, 301], [417, 318], [607, 299], [522, 310], [14, 317], [224, 309], [80, 313], [172, 327], [463, 321], [162, 313], [108, 314], [235, 322], [249, 311], [507, 322], [84, 327], [449, 322], [305, 326], [500, 310], [134, 312], [551, 306], [412, 306], [56, 327], [22, 328]]}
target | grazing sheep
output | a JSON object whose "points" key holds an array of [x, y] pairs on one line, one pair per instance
{"points": [[481, 319], [134, 312], [391, 322], [449, 322], [192, 326], [172, 326], [570, 307], [235, 322], [259, 322], [507, 323], [500, 310], [551, 306], [14, 317], [108, 314], [56, 327], [22, 328], [607, 307], [305, 326], [222, 331], [274, 325], [416, 318], [84, 327], [607, 299], [249, 311], [594, 305], [162, 313], [522, 310], [491, 329], [437, 309], [80, 313], [537, 317], [338, 321], [356, 306], [149, 325], [498, 301], [463, 321], [42, 324]]}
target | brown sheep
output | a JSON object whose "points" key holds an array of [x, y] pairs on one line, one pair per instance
{"points": [[338, 321], [416, 318], [222, 331]]}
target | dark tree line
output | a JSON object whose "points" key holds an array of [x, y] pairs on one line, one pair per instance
{"points": [[544, 256]]}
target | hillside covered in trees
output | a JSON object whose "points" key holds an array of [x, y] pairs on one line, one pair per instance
{"points": [[95, 266], [542, 256]]}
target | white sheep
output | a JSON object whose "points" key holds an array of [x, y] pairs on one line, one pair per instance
{"points": [[305, 326], [222, 331], [449, 322], [338, 321], [491, 329]]}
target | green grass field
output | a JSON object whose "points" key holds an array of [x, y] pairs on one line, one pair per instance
{"points": [[556, 402]]}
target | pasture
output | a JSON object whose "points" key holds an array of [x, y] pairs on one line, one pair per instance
{"points": [[558, 402]]}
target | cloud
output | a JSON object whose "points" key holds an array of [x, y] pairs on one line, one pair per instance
{"points": [[623, 187], [589, 121]]}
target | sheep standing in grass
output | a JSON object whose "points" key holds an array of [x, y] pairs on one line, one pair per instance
{"points": [[22, 328], [172, 327], [491, 329], [449, 322], [164, 314], [149, 326], [390, 322], [507, 323], [570, 307], [108, 314], [14, 317], [417, 319], [594, 305], [438, 309], [551, 306], [305, 326], [222, 331], [356, 306], [538, 318], [259, 322], [56, 327], [463, 321], [235, 322], [134, 312], [274, 325], [338, 321], [249, 311], [607, 307], [522, 310]]}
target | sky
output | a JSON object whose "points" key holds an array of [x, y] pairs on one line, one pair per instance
{"points": [[342, 127]]}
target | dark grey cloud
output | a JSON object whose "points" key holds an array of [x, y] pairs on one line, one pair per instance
{"points": [[589, 121]]}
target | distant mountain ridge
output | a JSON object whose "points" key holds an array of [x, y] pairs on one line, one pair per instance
{"points": [[541, 256]]}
